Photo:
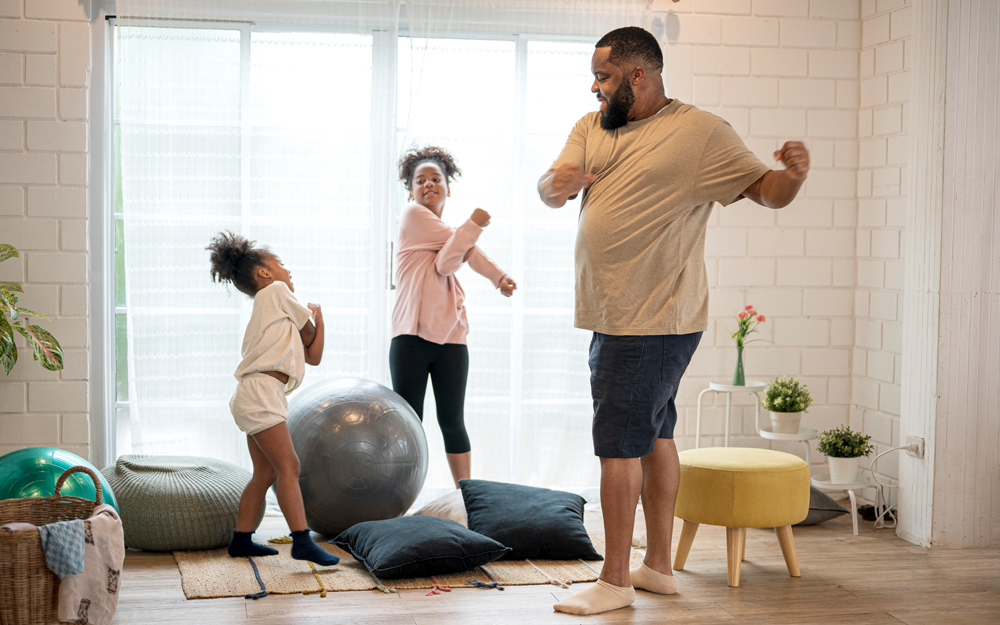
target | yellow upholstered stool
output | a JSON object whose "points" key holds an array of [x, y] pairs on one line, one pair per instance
{"points": [[739, 488]]}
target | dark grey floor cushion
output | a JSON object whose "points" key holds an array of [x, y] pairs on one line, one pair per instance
{"points": [[177, 503], [417, 546], [821, 508], [533, 522]]}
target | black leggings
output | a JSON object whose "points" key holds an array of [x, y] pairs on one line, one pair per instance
{"points": [[411, 358]]}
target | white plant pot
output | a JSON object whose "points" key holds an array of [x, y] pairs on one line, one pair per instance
{"points": [[843, 470], [785, 422]]}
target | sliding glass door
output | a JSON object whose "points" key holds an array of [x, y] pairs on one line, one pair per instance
{"points": [[266, 135], [291, 139]]}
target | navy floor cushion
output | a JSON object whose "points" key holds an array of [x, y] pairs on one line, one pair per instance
{"points": [[821, 508], [417, 546], [533, 522]]}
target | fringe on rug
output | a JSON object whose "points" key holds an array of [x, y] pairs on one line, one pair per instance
{"points": [[281, 540], [555, 582], [478, 584], [256, 573], [380, 585], [322, 588]]}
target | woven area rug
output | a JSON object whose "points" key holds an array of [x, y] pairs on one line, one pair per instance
{"points": [[210, 574]]}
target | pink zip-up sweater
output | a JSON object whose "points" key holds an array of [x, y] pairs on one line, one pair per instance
{"points": [[430, 303]]}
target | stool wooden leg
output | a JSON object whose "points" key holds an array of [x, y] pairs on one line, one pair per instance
{"points": [[688, 530], [733, 547], [787, 543]]}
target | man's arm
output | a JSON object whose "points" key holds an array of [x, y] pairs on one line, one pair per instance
{"points": [[563, 183], [558, 185], [777, 188]]}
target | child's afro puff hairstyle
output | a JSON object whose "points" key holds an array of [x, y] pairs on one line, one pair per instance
{"points": [[409, 161], [235, 259]]}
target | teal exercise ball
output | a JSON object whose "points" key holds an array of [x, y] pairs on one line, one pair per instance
{"points": [[33, 472]]}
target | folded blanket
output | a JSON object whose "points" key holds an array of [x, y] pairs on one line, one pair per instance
{"points": [[18, 527], [62, 543], [92, 596]]}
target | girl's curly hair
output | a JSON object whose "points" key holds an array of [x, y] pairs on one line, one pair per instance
{"points": [[409, 161], [235, 259]]}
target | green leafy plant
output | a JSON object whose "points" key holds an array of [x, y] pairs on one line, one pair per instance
{"points": [[787, 395], [46, 347], [844, 443]]}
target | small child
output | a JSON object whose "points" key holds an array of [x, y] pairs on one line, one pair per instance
{"points": [[279, 339]]}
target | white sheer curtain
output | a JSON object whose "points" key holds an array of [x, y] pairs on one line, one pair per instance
{"points": [[265, 148], [528, 406], [284, 121]]}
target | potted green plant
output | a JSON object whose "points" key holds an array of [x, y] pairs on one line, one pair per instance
{"points": [[843, 449], [786, 399], [46, 347]]}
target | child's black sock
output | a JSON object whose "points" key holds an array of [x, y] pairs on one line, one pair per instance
{"points": [[242, 545], [303, 548]]}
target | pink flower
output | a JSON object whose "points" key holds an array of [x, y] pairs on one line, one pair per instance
{"points": [[742, 314], [748, 307], [760, 318]]}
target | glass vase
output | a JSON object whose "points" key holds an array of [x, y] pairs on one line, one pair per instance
{"points": [[738, 378]]}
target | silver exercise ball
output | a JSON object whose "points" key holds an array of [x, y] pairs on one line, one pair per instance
{"points": [[362, 449]]}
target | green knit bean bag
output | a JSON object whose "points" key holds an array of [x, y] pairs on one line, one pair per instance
{"points": [[177, 503]]}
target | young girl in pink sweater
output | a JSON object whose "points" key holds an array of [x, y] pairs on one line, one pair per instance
{"points": [[429, 323]]}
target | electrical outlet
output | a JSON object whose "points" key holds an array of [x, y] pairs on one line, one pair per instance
{"points": [[919, 442]]}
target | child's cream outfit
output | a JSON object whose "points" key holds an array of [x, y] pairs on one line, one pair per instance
{"points": [[271, 343]]}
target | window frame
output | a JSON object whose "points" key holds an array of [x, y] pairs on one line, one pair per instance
{"points": [[102, 376], [385, 55]]}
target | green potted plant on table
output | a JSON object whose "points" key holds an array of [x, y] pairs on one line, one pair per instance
{"points": [[786, 399], [843, 449], [46, 347]]}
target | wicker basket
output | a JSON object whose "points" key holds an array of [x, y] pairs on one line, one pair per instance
{"points": [[29, 591]]}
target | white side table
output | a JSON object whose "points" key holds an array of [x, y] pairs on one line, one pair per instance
{"points": [[822, 482], [804, 436], [752, 386]]}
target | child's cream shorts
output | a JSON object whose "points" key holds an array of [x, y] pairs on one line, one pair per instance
{"points": [[259, 403]]}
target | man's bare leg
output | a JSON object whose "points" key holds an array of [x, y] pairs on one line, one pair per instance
{"points": [[661, 473], [621, 482]]}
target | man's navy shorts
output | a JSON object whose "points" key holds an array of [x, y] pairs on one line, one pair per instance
{"points": [[633, 380]]}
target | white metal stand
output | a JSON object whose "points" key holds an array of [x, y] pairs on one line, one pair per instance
{"points": [[804, 436], [753, 387], [823, 483]]}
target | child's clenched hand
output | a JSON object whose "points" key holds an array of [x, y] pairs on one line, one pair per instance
{"points": [[317, 312], [507, 286]]}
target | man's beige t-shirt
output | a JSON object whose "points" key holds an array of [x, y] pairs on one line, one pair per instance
{"points": [[640, 247]]}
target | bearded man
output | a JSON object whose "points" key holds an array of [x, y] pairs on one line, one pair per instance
{"points": [[650, 169]]}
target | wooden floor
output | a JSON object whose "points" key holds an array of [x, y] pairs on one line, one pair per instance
{"points": [[871, 578]]}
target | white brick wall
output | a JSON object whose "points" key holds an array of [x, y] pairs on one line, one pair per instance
{"points": [[827, 271], [44, 88], [778, 70], [885, 91]]}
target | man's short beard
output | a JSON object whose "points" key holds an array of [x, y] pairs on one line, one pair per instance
{"points": [[619, 104]]}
